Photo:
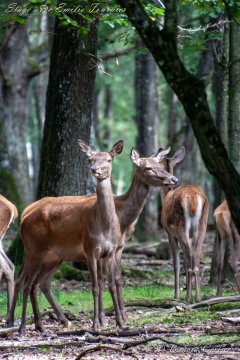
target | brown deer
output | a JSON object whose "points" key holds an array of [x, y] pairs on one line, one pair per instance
{"points": [[226, 234], [184, 217], [83, 228], [8, 213]]}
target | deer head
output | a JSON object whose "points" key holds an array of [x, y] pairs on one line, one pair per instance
{"points": [[151, 171], [101, 162], [170, 163]]}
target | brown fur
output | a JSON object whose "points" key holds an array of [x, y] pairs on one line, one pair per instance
{"points": [[8, 213], [184, 217], [89, 227], [226, 234]]}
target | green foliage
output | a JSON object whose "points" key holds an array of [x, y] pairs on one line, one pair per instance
{"points": [[8, 188]]}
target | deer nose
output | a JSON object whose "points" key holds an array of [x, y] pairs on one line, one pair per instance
{"points": [[94, 168], [174, 180]]}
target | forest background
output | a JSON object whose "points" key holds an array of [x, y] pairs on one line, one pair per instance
{"points": [[77, 69]]}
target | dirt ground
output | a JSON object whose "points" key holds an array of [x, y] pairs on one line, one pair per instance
{"points": [[57, 345], [53, 346]]}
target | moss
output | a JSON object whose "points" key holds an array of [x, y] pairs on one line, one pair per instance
{"points": [[136, 274], [9, 189], [68, 272]]}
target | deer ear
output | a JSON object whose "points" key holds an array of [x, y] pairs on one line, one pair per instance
{"points": [[117, 148], [88, 150], [178, 156], [135, 157], [161, 154]]}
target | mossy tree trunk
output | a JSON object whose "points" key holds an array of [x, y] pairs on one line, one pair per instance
{"points": [[63, 167], [191, 92]]}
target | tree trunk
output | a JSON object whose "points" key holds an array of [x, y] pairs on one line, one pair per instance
{"points": [[146, 120], [234, 95], [191, 92], [63, 168], [14, 80], [172, 119], [221, 92]]}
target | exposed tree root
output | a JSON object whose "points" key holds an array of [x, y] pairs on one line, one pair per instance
{"points": [[104, 347]]}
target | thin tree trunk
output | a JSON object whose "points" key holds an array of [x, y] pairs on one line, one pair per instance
{"points": [[13, 105], [146, 120]]}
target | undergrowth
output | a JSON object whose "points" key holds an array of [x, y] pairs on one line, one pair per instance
{"points": [[144, 313]]}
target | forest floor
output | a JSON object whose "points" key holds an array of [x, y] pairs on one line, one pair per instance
{"points": [[158, 327]]}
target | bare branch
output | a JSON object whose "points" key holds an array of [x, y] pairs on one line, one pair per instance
{"points": [[105, 347]]}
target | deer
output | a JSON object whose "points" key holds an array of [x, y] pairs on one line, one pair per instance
{"points": [[8, 213], [226, 234], [184, 218], [128, 207], [70, 228]]}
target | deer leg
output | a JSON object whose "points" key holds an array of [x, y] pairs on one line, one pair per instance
{"points": [[118, 282], [33, 271], [196, 253], [188, 264], [45, 286], [111, 268], [7, 268], [235, 254], [18, 286], [100, 297], [233, 263], [92, 266], [44, 279], [36, 312], [221, 248], [176, 265]]}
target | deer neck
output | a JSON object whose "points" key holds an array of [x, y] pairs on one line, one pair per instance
{"points": [[105, 202], [133, 201]]}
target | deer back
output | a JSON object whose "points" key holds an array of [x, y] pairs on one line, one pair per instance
{"points": [[183, 207]]}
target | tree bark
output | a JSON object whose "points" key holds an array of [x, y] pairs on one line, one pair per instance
{"points": [[14, 80], [63, 168], [234, 95], [163, 45], [221, 92], [146, 119]]}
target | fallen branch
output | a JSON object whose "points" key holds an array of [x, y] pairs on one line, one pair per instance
{"points": [[213, 301], [123, 333], [42, 345], [9, 330], [104, 347], [162, 303], [234, 320], [229, 330]]}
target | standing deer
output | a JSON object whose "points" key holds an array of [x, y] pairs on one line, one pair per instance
{"points": [[184, 217], [226, 234], [84, 228], [8, 213], [71, 228]]}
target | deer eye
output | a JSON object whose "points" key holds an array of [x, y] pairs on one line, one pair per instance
{"points": [[109, 160], [148, 168]]}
